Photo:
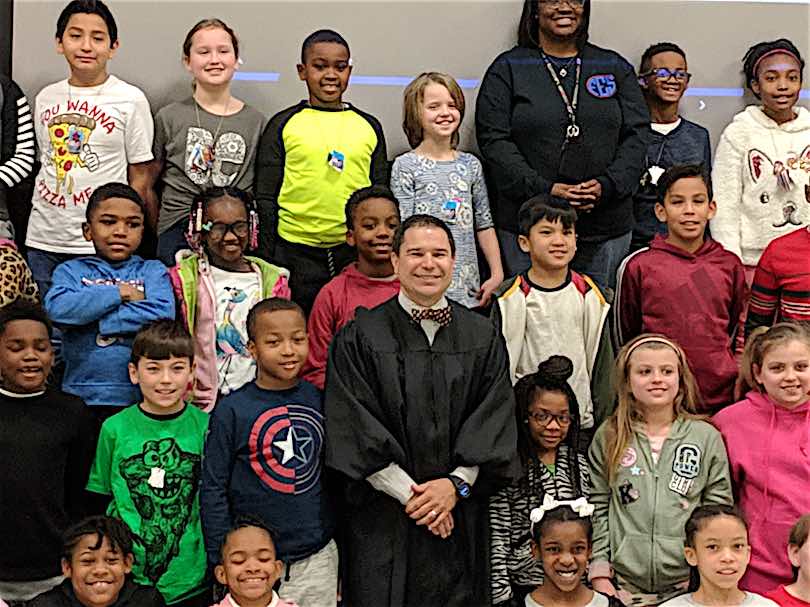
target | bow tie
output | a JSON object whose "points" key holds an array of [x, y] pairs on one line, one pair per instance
{"points": [[441, 316]]}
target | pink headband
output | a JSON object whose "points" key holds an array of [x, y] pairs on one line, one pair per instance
{"points": [[775, 51]]}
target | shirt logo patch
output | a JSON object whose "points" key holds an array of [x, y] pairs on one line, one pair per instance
{"points": [[601, 86], [629, 457], [627, 493], [285, 448], [687, 461]]}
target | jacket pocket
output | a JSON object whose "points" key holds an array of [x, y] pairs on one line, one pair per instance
{"points": [[671, 566], [632, 559]]}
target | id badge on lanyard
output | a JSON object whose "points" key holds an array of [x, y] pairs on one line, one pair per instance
{"points": [[572, 131]]}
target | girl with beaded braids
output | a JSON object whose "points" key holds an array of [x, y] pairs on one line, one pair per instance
{"points": [[547, 417], [216, 284]]}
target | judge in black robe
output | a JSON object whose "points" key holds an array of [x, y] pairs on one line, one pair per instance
{"points": [[393, 397]]}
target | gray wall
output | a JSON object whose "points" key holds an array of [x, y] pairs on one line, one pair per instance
{"points": [[460, 37]]}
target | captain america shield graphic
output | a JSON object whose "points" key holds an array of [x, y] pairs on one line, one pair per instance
{"points": [[285, 448]]}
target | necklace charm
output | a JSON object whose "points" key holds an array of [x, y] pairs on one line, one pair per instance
{"points": [[655, 173], [563, 72], [572, 131], [204, 152]]}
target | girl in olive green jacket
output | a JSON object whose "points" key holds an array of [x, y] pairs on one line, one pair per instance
{"points": [[652, 463]]}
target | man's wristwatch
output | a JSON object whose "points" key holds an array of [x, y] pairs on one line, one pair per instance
{"points": [[463, 488]]}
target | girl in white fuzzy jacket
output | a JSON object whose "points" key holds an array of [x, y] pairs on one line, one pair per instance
{"points": [[761, 170], [761, 173]]}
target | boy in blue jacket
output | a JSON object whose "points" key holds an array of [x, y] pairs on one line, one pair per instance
{"points": [[101, 301]]}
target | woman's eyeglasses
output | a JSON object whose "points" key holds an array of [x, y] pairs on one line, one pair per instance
{"points": [[559, 3]]}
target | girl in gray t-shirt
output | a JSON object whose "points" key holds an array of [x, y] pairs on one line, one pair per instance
{"points": [[207, 140]]}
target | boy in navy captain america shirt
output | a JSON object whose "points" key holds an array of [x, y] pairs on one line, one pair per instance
{"points": [[263, 458]]}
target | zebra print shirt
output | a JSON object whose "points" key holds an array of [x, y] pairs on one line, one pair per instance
{"points": [[511, 560]]}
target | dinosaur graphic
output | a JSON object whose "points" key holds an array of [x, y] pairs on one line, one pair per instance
{"points": [[163, 481]]}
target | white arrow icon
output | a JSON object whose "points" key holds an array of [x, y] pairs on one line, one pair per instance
{"points": [[701, 105]]}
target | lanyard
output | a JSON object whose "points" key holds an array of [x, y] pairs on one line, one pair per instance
{"points": [[570, 106]]}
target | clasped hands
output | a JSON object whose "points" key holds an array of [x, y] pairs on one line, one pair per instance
{"points": [[431, 504], [582, 196]]}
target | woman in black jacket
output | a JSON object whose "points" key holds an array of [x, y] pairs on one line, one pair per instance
{"points": [[559, 115]]}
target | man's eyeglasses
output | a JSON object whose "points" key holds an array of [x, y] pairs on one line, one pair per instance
{"points": [[663, 73], [217, 231], [559, 3], [544, 417]]}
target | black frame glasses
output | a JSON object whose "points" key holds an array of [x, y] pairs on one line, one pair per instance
{"points": [[544, 417], [663, 73], [559, 3], [217, 231]]}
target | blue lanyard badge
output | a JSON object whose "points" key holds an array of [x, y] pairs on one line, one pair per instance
{"points": [[335, 160], [450, 210]]}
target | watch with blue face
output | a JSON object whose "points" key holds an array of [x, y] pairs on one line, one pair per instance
{"points": [[463, 488]]}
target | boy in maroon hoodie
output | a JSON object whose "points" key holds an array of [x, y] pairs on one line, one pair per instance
{"points": [[686, 286], [372, 217]]}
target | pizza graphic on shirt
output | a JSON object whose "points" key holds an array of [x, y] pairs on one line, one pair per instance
{"points": [[70, 147]]}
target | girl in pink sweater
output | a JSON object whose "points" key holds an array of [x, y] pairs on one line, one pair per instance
{"points": [[767, 436]]}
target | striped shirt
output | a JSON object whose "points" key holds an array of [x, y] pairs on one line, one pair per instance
{"points": [[781, 288], [17, 148], [512, 562]]}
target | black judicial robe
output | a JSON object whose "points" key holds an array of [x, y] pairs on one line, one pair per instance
{"points": [[392, 397]]}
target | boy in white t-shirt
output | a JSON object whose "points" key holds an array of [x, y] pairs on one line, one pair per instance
{"points": [[92, 129]]}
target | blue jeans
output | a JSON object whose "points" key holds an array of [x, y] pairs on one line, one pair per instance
{"points": [[42, 264], [171, 241], [514, 260], [601, 260]]}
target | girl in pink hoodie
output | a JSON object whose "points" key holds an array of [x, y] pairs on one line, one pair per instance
{"points": [[768, 443]]}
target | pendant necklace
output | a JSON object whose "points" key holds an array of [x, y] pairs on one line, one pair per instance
{"points": [[565, 68], [207, 155]]}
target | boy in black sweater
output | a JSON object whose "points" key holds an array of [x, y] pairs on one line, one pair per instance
{"points": [[47, 441]]}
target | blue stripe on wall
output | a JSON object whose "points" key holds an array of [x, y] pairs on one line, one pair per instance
{"points": [[471, 83]]}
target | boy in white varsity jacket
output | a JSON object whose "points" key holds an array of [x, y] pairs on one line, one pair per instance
{"points": [[550, 309]]}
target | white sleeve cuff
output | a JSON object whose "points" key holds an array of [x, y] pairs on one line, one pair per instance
{"points": [[469, 474], [394, 481]]}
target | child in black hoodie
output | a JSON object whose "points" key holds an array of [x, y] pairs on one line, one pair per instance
{"points": [[96, 561]]}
